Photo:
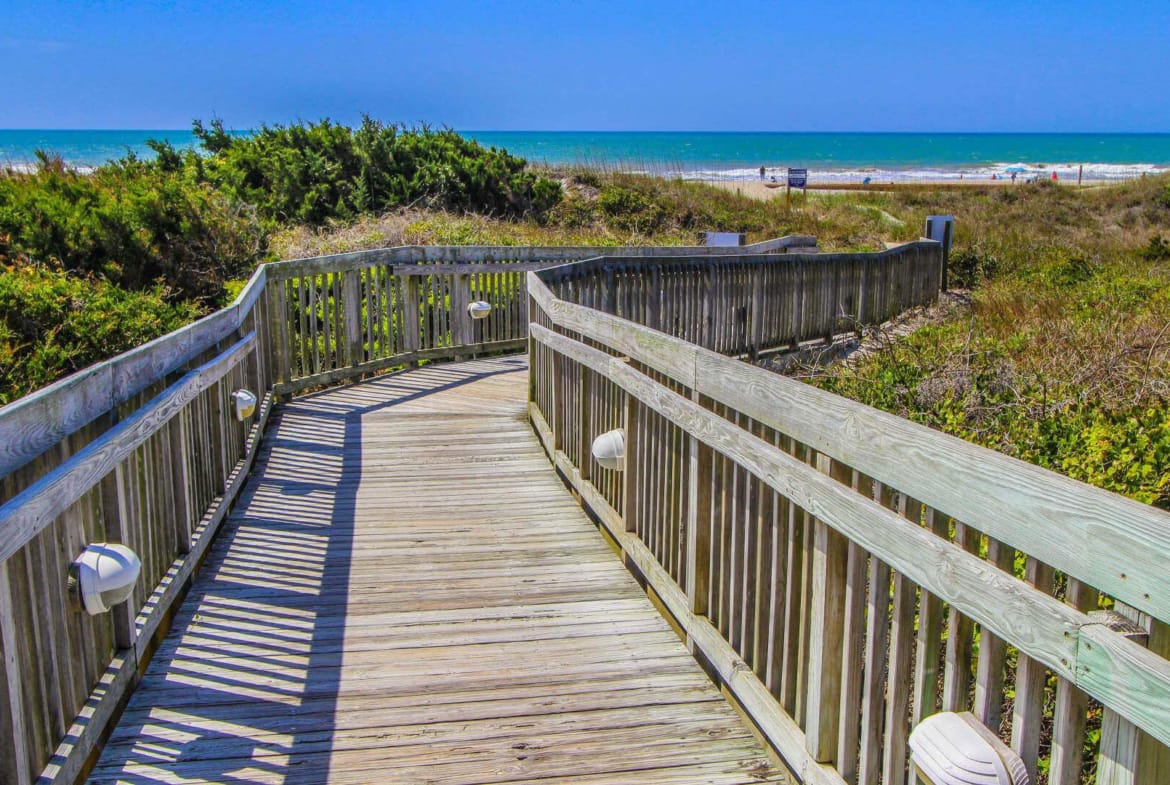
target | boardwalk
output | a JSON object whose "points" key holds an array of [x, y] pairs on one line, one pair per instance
{"points": [[406, 593]]}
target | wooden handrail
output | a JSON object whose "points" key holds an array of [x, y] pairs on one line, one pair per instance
{"points": [[749, 458], [143, 449], [36, 422], [26, 514], [477, 254]]}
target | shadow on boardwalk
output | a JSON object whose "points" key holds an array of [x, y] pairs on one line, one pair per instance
{"points": [[405, 593]]}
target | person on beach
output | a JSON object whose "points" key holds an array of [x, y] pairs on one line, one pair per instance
{"points": [[1054, 175], [1013, 177], [761, 173]]}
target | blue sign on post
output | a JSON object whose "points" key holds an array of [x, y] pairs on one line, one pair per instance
{"points": [[797, 178]]}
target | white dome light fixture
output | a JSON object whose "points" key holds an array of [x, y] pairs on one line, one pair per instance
{"points": [[244, 404], [104, 575], [609, 450], [957, 749], [479, 309]]}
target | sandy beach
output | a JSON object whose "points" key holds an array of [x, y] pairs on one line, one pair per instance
{"points": [[759, 189]]}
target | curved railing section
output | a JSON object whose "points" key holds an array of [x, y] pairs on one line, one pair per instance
{"points": [[144, 450], [844, 572], [745, 304], [345, 316]]}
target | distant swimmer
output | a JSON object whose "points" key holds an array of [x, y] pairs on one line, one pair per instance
{"points": [[761, 173]]}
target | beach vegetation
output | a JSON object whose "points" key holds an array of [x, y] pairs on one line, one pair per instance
{"points": [[312, 173], [1058, 354], [131, 223], [54, 321]]}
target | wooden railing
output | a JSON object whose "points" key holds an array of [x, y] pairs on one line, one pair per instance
{"points": [[345, 316], [745, 305], [144, 450], [846, 573]]}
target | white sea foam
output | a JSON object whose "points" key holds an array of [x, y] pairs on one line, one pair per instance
{"points": [[1025, 171]]}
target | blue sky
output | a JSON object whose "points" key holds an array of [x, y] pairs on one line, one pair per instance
{"points": [[831, 66]]}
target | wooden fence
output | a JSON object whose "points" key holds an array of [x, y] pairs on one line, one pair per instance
{"points": [[344, 316], [844, 572], [744, 305], [143, 449]]}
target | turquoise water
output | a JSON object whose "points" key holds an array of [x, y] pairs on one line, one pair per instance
{"points": [[828, 156]]}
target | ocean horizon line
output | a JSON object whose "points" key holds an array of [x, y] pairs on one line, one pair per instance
{"points": [[721, 155], [187, 129]]}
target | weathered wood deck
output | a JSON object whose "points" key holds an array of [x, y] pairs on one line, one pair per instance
{"points": [[406, 593]]}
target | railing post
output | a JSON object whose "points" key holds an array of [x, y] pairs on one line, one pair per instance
{"points": [[1031, 680], [629, 484], [116, 513], [411, 317], [177, 435], [462, 329], [698, 569], [1068, 718], [278, 323], [351, 293], [13, 733], [1153, 756], [1126, 754], [584, 425], [655, 305], [757, 315], [609, 298], [827, 614]]}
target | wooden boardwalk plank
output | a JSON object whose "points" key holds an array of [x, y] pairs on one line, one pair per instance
{"points": [[406, 593]]}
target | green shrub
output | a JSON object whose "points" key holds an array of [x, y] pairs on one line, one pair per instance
{"points": [[1158, 250], [53, 323], [313, 173], [132, 222], [968, 268]]}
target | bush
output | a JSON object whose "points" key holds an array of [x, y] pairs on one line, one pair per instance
{"points": [[969, 268], [132, 222], [53, 323], [1157, 250], [314, 173]]}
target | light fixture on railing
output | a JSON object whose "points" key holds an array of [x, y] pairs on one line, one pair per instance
{"points": [[479, 309], [609, 450], [244, 403], [103, 576], [957, 749]]}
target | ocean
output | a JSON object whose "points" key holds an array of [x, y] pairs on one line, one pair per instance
{"points": [[829, 157]]}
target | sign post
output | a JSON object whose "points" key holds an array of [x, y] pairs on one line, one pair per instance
{"points": [[942, 229], [797, 178]]}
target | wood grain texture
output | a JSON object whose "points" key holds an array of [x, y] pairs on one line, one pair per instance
{"points": [[1127, 677], [1033, 620], [1040, 626], [478, 254], [32, 509], [1103, 539], [781, 730], [406, 593], [36, 422]]}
